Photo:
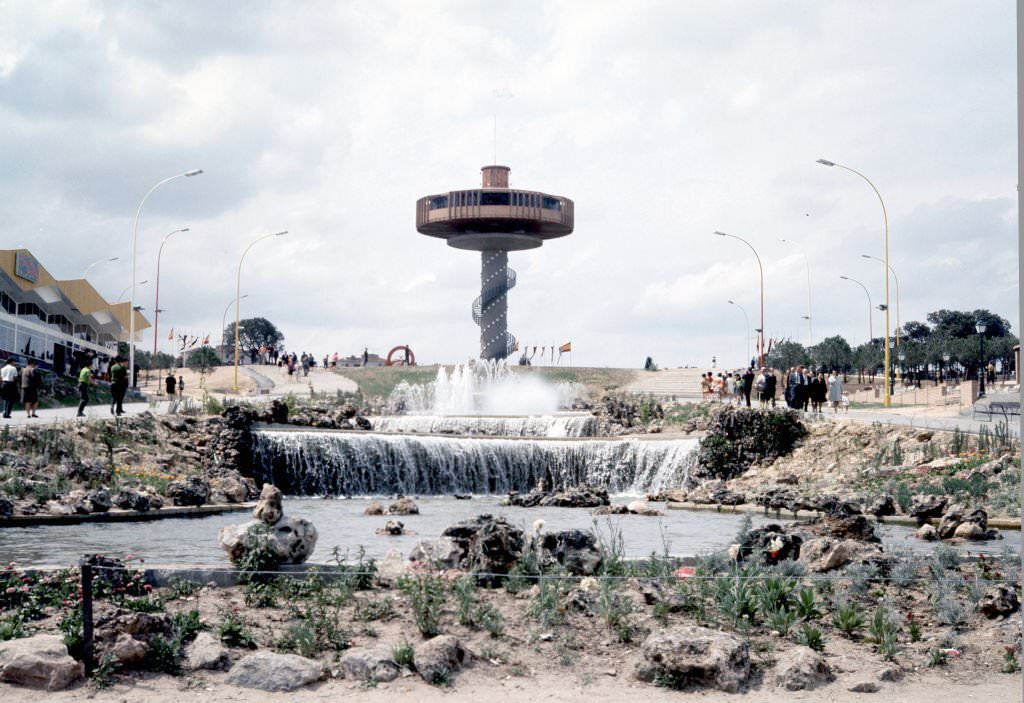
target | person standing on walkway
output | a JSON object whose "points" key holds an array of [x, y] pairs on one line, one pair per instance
{"points": [[118, 386], [835, 392], [84, 380], [748, 383], [9, 386], [30, 383], [181, 387], [771, 384], [170, 383]]}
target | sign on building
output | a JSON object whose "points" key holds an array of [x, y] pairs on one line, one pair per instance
{"points": [[26, 266]]}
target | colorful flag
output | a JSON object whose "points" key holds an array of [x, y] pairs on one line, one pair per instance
{"points": [[206, 340], [567, 347], [170, 335]]}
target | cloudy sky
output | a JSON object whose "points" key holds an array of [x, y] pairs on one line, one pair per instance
{"points": [[664, 121]]}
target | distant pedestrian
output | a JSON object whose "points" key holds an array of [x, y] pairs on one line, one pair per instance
{"points": [[118, 386], [170, 384], [30, 383], [9, 386], [181, 387], [84, 381], [835, 391], [818, 392], [748, 384], [366, 356], [770, 385]]}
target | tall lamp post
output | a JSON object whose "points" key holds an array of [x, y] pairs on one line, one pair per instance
{"points": [[980, 327], [135, 239], [96, 263], [760, 341], [747, 328], [885, 224], [238, 293], [871, 328], [224, 318], [896, 279], [807, 265], [156, 304]]}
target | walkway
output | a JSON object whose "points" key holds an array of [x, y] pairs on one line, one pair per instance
{"points": [[668, 383], [93, 412]]}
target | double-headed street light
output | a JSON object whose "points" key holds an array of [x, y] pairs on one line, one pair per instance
{"points": [[238, 293], [897, 281], [747, 328], [156, 304], [125, 290], [887, 399], [96, 263], [871, 329], [980, 327], [760, 341], [135, 238]]}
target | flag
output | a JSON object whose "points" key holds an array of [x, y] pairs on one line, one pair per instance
{"points": [[567, 347], [170, 335], [206, 341], [515, 346]]}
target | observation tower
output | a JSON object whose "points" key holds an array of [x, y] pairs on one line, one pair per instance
{"points": [[494, 220]]}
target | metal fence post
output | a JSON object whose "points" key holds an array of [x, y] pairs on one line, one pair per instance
{"points": [[87, 635]]}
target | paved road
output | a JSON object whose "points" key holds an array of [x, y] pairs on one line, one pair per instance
{"points": [[94, 411], [907, 417]]}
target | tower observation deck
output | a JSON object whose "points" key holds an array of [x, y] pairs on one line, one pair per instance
{"points": [[494, 220]]}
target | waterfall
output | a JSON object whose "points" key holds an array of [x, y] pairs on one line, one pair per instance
{"points": [[341, 463], [561, 425]]}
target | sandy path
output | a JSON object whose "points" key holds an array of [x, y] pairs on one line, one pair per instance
{"points": [[476, 685]]}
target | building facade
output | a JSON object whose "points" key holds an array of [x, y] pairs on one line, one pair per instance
{"points": [[62, 324]]}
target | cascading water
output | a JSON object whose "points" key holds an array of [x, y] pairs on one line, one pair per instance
{"points": [[560, 425], [340, 463], [483, 388]]}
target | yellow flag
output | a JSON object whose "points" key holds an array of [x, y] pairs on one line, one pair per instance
{"points": [[206, 340], [170, 335], [567, 347]]}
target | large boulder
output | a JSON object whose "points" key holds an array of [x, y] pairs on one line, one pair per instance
{"points": [[582, 496], [925, 507], [439, 657], [128, 651], [206, 652], [489, 545], [269, 671], [40, 661], [822, 554], [99, 500], [576, 550], [801, 668], [951, 520], [843, 526], [999, 601], [442, 552], [695, 656], [269, 509], [193, 491], [770, 544], [372, 663], [292, 539], [883, 506], [6, 506], [404, 506]]}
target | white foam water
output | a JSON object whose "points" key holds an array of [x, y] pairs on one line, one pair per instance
{"points": [[559, 425]]}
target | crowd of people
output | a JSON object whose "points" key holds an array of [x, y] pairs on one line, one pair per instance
{"points": [[802, 389]]}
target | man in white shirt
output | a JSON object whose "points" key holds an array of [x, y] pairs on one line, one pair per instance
{"points": [[9, 386]]}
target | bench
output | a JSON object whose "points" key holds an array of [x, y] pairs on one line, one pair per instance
{"points": [[1005, 409]]}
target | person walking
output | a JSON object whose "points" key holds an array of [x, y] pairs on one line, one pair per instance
{"points": [[30, 383], [170, 384], [9, 386], [181, 387], [770, 385], [118, 386], [835, 391], [84, 381], [818, 392], [748, 383]]}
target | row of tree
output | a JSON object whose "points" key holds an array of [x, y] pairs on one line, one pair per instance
{"points": [[924, 346], [254, 333]]}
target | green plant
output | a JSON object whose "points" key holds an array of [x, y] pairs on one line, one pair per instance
{"points": [[103, 675], [1011, 665], [913, 628], [13, 627], [806, 606], [810, 636], [374, 610], [165, 654], [427, 595], [773, 594], [187, 624], [145, 604], [546, 607], [937, 657], [464, 590], [734, 596], [883, 631], [233, 631], [441, 678], [780, 620], [615, 609], [181, 588], [489, 618], [403, 655], [847, 619]]}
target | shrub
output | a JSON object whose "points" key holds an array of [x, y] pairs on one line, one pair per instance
{"points": [[806, 606], [404, 655], [427, 595], [233, 632], [847, 619], [738, 436], [810, 636]]}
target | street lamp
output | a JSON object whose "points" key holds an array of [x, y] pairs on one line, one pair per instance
{"points": [[94, 263], [810, 331], [760, 341], [885, 225], [121, 294], [224, 319], [238, 293], [871, 328], [747, 328], [135, 239], [980, 327], [156, 305]]}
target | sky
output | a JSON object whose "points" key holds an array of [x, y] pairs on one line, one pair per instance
{"points": [[663, 121]]}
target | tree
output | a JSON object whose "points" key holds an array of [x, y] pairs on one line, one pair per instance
{"points": [[958, 324], [201, 360], [786, 354], [917, 331], [255, 332], [833, 353]]}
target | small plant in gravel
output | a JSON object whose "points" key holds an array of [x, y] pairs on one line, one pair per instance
{"points": [[937, 657], [861, 575], [780, 620], [427, 595], [103, 675], [614, 609], [883, 631], [735, 596], [403, 655], [233, 631], [374, 610], [847, 618], [464, 590], [547, 606], [1011, 665], [810, 636], [806, 605], [913, 628]]}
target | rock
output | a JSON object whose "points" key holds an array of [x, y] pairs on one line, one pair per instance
{"points": [[375, 508], [969, 530], [924, 507], [883, 506], [979, 517], [269, 671], [269, 508], [362, 423], [132, 500], [55, 507], [375, 663], [865, 687], [582, 496], [277, 412], [770, 544], [206, 652], [640, 507], [128, 651], [391, 567], [233, 490], [999, 601], [890, 673], [40, 661], [779, 499], [192, 491], [439, 657], [952, 518], [576, 550], [99, 500], [671, 495], [404, 506], [489, 545], [801, 668], [442, 553], [924, 436], [823, 554], [6, 507], [292, 539], [695, 656], [927, 533], [836, 526], [611, 510], [393, 528]]}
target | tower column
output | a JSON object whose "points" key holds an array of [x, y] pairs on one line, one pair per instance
{"points": [[494, 285]]}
